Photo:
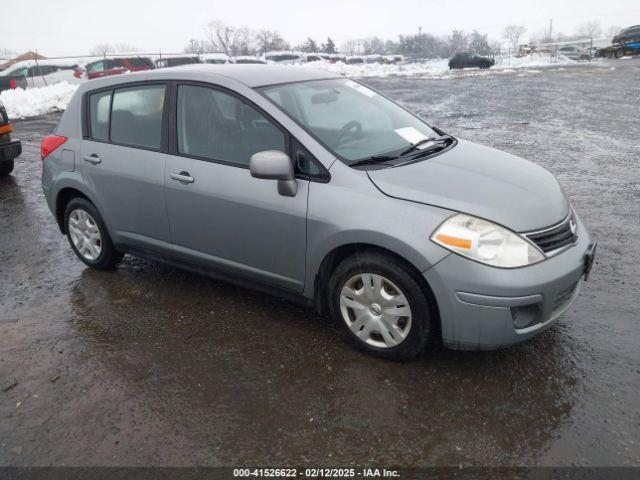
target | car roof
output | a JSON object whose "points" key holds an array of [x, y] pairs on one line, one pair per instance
{"points": [[251, 75]]}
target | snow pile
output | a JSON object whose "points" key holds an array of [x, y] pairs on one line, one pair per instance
{"points": [[439, 68], [21, 103], [432, 67]]}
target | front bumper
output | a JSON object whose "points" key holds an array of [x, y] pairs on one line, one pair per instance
{"points": [[10, 150], [477, 303]]}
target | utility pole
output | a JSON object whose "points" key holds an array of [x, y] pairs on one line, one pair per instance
{"points": [[551, 50], [420, 40]]}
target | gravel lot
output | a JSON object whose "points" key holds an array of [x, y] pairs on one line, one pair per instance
{"points": [[149, 365]]}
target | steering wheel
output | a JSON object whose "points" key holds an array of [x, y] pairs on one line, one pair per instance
{"points": [[351, 129]]}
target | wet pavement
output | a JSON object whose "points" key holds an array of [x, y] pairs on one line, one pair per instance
{"points": [[150, 365]]}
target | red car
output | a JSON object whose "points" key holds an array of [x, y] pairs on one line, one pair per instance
{"points": [[116, 66]]}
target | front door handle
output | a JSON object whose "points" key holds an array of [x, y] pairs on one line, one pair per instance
{"points": [[93, 158], [182, 177]]}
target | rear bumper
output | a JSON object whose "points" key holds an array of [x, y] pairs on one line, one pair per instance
{"points": [[10, 150], [478, 303]]}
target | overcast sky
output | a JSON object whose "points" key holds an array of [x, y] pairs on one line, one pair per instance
{"points": [[72, 27]]}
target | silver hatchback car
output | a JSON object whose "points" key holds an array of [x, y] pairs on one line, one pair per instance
{"points": [[317, 187]]}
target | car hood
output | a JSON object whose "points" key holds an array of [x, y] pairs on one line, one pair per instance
{"points": [[480, 181]]}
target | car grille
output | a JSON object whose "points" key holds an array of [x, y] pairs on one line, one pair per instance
{"points": [[554, 238], [563, 299]]}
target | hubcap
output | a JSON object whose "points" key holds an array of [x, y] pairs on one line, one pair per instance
{"points": [[85, 234], [375, 310]]}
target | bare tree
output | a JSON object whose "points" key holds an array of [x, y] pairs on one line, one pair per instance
{"points": [[245, 44], [591, 29], [351, 46], [479, 43], [270, 40], [102, 50], [458, 42], [513, 33], [229, 39], [195, 46], [124, 48], [612, 31], [373, 45]]}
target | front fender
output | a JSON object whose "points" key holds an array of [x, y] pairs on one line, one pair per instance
{"points": [[350, 210]]}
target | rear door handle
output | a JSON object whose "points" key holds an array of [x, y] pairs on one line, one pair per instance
{"points": [[182, 177], [93, 158]]}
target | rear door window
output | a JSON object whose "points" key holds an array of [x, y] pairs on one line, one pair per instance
{"points": [[136, 116]]}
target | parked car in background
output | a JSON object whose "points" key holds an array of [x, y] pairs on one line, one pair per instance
{"points": [[248, 59], [215, 58], [470, 60], [313, 57], [9, 82], [165, 62], [9, 149], [285, 57], [30, 73], [393, 59], [116, 66], [573, 52], [355, 60], [317, 187]]}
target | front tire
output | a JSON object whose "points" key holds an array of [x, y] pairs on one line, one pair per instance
{"points": [[6, 168], [88, 235], [381, 306]]}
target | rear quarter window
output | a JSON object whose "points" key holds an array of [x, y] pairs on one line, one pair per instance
{"points": [[99, 104]]}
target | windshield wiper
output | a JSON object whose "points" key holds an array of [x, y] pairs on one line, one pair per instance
{"points": [[381, 159], [376, 159], [416, 146]]}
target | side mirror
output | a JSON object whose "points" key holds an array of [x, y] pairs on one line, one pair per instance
{"points": [[275, 165]]}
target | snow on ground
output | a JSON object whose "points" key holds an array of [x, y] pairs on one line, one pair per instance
{"points": [[439, 68], [21, 103]]}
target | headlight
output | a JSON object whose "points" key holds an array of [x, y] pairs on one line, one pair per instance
{"points": [[486, 242]]}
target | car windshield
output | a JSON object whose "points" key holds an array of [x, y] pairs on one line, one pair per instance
{"points": [[353, 121]]}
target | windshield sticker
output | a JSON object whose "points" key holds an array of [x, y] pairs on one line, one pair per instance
{"points": [[360, 88], [410, 134]]}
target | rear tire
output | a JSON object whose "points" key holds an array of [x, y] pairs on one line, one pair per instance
{"points": [[398, 323], [88, 235], [6, 168]]}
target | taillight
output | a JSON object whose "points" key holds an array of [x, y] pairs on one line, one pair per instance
{"points": [[12, 83], [78, 73], [50, 143]]}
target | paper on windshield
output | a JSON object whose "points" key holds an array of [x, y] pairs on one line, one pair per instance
{"points": [[360, 88], [410, 134]]}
